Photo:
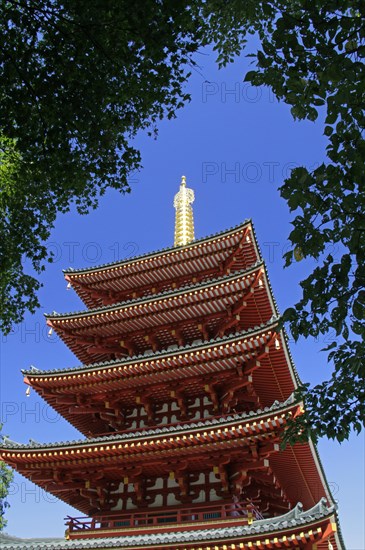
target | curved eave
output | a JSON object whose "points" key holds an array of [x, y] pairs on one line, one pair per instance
{"points": [[208, 432], [180, 357], [162, 255], [315, 526], [238, 301], [310, 529], [266, 363], [191, 289], [150, 275], [151, 361], [295, 469]]}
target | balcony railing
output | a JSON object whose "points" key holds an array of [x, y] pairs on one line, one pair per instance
{"points": [[157, 519]]}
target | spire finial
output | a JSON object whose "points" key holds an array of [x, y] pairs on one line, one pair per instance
{"points": [[184, 221]]}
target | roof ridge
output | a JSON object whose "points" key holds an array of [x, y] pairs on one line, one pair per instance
{"points": [[164, 294], [33, 371], [236, 417], [161, 251], [184, 536]]}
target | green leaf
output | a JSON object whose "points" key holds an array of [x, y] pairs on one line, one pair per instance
{"points": [[249, 76], [330, 346]]}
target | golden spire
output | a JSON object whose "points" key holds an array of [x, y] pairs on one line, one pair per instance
{"points": [[184, 221]]}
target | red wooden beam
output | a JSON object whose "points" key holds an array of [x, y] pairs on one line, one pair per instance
{"points": [[234, 312], [232, 257], [108, 296]]}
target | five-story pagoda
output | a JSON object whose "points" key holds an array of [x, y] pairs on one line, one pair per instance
{"points": [[183, 395]]}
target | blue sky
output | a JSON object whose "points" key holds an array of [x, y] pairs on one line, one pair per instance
{"points": [[235, 144]]}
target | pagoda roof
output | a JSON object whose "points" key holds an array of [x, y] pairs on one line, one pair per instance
{"points": [[198, 444], [186, 289], [255, 349], [108, 283], [34, 373], [189, 427], [216, 303], [162, 252], [286, 531]]}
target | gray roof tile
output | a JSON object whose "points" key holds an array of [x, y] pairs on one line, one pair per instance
{"points": [[165, 294], [33, 371], [9, 444], [293, 518], [156, 252]]}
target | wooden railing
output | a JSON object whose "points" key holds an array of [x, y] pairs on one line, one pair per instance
{"points": [[134, 519]]}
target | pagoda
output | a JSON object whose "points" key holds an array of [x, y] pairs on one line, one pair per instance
{"points": [[184, 392]]}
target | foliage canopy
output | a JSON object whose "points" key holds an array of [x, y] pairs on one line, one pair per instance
{"points": [[313, 58], [79, 79], [6, 477]]}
